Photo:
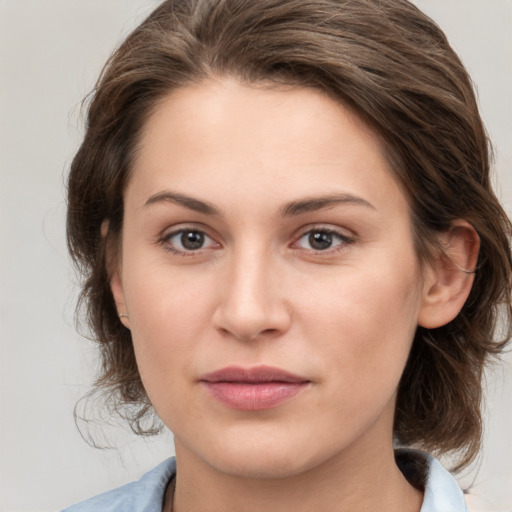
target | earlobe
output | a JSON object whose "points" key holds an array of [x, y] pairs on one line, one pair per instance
{"points": [[448, 280]]}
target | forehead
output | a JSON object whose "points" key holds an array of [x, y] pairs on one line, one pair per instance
{"points": [[278, 141], [227, 110]]}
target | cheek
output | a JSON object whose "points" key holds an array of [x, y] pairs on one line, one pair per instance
{"points": [[169, 313], [365, 329]]}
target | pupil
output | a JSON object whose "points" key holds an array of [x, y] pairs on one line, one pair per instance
{"points": [[320, 240], [192, 240]]}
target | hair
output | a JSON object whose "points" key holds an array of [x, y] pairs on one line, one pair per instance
{"points": [[395, 67]]}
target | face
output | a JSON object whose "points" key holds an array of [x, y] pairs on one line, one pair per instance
{"points": [[268, 271]]}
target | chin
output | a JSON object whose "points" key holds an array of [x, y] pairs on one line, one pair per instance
{"points": [[266, 457]]}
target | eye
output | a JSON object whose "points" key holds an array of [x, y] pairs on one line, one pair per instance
{"points": [[188, 241], [322, 240]]}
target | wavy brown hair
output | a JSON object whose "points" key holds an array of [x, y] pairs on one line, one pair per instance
{"points": [[395, 67]]}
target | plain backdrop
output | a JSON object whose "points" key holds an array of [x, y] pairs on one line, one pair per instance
{"points": [[50, 54]]}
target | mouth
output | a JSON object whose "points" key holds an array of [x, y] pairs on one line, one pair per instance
{"points": [[255, 388]]}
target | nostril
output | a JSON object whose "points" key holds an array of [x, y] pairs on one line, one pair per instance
{"points": [[247, 335]]}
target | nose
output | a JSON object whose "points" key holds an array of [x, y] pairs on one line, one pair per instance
{"points": [[252, 304]]}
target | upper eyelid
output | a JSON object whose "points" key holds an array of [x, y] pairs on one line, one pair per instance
{"points": [[342, 232], [179, 228], [174, 231]]}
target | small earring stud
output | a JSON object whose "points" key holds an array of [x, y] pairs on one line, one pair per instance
{"points": [[121, 315]]}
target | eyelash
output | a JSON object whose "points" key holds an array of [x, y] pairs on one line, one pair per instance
{"points": [[166, 241], [342, 238], [343, 241]]}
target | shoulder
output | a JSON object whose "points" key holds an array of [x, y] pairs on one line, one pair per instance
{"points": [[442, 492], [143, 495]]}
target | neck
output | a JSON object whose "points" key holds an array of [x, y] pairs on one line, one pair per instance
{"points": [[356, 480]]}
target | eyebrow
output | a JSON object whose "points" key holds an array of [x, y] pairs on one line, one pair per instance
{"points": [[320, 203], [187, 202], [288, 210]]}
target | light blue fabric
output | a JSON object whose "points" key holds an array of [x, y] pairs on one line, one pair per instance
{"points": [[144, 495], [442, 493]]}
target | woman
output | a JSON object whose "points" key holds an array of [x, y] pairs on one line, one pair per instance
{"points": [[292, 253]]}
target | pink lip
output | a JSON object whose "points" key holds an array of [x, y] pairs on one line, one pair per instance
{"points": [[253, 389]]}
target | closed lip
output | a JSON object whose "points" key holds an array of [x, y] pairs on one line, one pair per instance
{"points": [[254, 388], [253, 375]]}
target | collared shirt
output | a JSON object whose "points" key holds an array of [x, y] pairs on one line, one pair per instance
{"points": [[442, 492]]}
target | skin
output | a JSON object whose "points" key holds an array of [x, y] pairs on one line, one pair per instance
{"points": [[258, 292]]}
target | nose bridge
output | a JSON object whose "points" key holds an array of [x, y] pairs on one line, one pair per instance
{"points": [[252, 302], [249, 279]]}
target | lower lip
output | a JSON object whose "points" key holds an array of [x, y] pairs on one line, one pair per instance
{"points": [[254, 396]]}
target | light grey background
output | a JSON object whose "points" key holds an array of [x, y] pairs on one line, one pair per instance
{"points": [[50, 54]]}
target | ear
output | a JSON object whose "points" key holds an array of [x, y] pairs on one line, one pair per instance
{"points": [[448, 279], [116, 284]]}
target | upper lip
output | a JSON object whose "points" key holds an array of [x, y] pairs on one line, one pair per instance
{"points": [[252, 374]]}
